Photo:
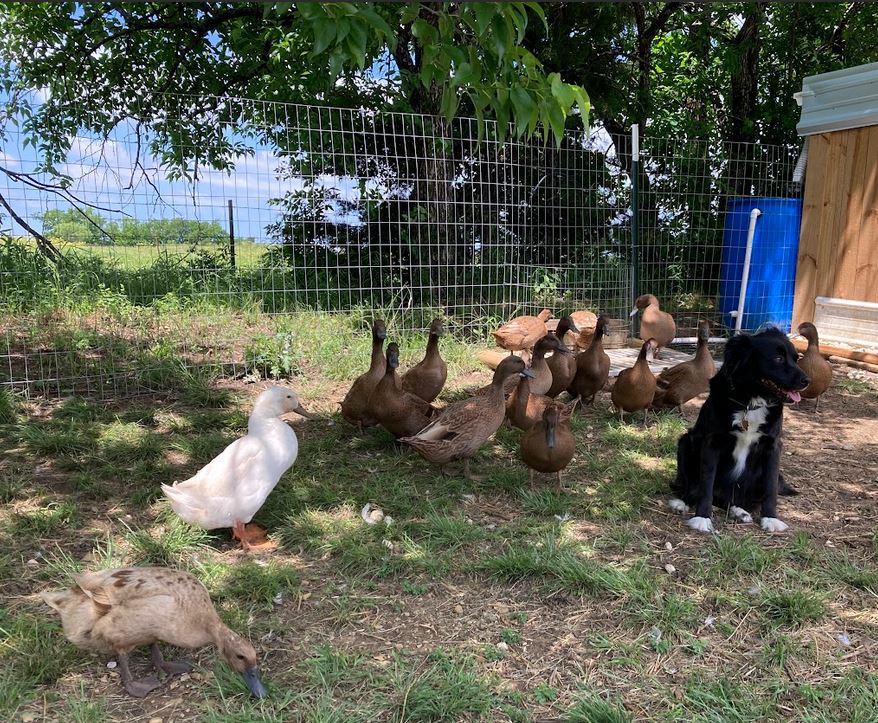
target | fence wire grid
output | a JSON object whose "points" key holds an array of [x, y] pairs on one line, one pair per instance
{"points": [[341, 210]]}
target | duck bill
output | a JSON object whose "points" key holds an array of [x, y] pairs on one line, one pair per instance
{"points": [[251, 678], [528, 373], [633, 311], [550, 437], [304, 412]]}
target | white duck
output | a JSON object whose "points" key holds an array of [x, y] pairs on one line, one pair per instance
{"points": [[231, 488]]}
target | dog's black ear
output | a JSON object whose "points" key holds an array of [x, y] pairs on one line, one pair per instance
{"points": [[737, 354]]}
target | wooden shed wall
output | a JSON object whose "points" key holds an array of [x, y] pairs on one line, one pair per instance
{"points": [[838, 248]]}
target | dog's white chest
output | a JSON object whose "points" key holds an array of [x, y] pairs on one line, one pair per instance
{"points": [[746, 426]]}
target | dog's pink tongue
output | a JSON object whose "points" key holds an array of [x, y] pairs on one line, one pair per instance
{"points": [[794, 396]]}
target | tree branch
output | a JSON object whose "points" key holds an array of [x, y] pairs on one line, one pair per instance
{"points": [[45, 246]]}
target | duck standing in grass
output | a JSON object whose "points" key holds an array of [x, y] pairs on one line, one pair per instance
{"points": [[427, 378], [635, 387], [461, 428], [231, 488], [542, 380], [678, 384], [819, 370], [549, 445], [355, 405], [398, 411], [654, 324], [115, 611], [592, 366], [562, 365]]}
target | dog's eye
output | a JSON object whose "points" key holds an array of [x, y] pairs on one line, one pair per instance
{"points": [[779, 360]]}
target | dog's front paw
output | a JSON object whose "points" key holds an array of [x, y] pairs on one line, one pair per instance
{"points": [[772, 524], [740, 515], [677, 505], [701, 524]]}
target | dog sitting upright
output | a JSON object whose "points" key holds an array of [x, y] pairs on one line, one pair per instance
{"points": [[731, 457]]}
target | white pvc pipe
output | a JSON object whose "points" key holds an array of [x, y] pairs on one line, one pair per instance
{"points": [[745, 272]]}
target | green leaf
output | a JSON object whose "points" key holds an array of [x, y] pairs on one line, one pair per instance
{"points": [[555, 117], [450, 102], [525, 109], [324, 34], [502, 31], [563, 93], [484, 13]]}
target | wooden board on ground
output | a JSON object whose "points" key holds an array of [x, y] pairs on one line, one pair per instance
{"points": [[619, 359]]}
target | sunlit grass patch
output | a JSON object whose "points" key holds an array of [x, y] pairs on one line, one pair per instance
{"points": [[49, 519]]}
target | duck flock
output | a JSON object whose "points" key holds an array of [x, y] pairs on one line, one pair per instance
{"points": [[115, 611]]}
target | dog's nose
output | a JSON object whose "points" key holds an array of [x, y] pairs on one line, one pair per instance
{"points": [[805, 380]]}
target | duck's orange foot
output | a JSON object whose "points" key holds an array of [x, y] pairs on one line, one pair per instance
{"points": [[253, 537]]}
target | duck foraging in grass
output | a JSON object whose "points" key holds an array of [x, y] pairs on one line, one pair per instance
{"points": [[231, 488], [115, 611], [461, 428]]}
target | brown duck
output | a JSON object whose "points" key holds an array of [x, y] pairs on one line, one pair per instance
{"points": [[680, 383], [539, 365], [427, 378], [115, 611], [819, 370], [635, 387], [655, 323], [398, 411], [461, 428], [523, 331], [524, 409], [562, 366], [592, 366], [549, 445], [355, 405]]}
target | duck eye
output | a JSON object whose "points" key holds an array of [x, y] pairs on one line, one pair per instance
{"points": [[239, 656], [289, 396]]}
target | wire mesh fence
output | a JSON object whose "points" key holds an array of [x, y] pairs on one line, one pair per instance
{"points": [[343, 210]]}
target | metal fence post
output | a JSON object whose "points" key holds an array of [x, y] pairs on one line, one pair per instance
{"points": [[231, 234], [635, 221]]}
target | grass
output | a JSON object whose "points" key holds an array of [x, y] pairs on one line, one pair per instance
{"points": [[402, 622]]}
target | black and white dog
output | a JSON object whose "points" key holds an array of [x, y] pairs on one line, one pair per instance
{"points": [[731, 457]]}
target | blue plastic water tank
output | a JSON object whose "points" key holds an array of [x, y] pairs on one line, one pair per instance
{"points": [[772, 261]]}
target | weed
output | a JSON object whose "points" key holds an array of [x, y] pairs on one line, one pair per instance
{"points": [[8, 406], [448, 688], [413, 588], [171, 546], [260, 585], [862, 578], [732, 555], [544, 694], [45, 520], [592, 708], [792, 607], [33, 652], [510, 636]]}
